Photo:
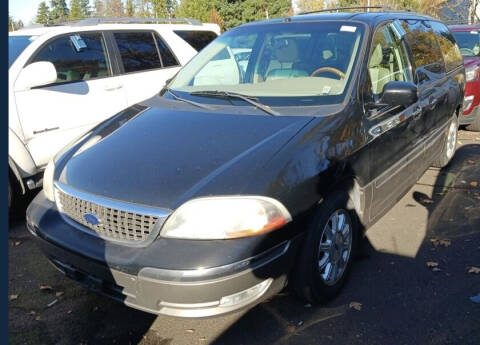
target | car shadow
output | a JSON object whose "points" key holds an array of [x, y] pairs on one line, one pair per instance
{"points": [[388, 293]]}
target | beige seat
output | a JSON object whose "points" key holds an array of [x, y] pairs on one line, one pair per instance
{"points": [[379, 73], [286, 52]]}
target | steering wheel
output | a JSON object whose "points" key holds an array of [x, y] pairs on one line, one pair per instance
{"points": [[328, 69], [467, 51]]}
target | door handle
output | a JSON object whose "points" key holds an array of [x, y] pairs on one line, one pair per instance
{"points": [[113, 87], [417, 113], [432, 101]]}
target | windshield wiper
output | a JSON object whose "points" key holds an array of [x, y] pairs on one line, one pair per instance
{"points": [[203, 106], [226, 94]]}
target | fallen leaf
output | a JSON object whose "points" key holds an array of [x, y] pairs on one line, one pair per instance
{"points": [[471, 161], [473, 269], [59, 293], [191, 330], [459, 142], [308, 305], [475, 299], [32, 312], [440, 242], [46, 288], [37, 318], [13, 297], [432, 264], [17, 243], [202, 338], [52, 303], [355, 305], [291, 329], [436, 269], [300, 323], [69, 312], [474, 184]]}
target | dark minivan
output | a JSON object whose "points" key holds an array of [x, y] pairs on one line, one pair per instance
{"points": [[261, 162]]}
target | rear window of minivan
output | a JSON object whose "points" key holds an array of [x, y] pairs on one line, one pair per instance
{"points": [[197, 39]]}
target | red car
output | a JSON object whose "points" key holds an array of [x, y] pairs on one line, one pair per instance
{"points": [[468, 39]]}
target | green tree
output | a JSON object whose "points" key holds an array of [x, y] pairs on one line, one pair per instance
{"points": [[198, 9], [85, 7], [10, 23], [99, 8], [114, 8], [75, 10], [130, 8], [59, 11], [43, 13]]}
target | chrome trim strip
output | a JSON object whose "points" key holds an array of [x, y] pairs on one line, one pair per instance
{"points": [[115, 204]]}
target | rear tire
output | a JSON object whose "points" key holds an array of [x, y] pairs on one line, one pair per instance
{"points": [[327, 251], [449, 146]]}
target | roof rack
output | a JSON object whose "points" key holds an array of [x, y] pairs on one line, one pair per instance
{"points": [[338, 9], [128, 20]]}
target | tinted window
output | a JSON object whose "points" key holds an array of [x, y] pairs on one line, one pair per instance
{"points": [[138, 51], [448, 46], [197, 39], [73, 64], [168, 59], [427, 56], [388, 60], [16, 45], [469, 42]]}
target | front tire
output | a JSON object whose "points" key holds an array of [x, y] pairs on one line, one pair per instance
{"points": [[328, 249], [450, 145]]}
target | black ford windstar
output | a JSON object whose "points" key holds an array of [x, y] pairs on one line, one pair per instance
{"points": [[261, 162]]}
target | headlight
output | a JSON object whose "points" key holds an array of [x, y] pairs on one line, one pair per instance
{"points": [[48, 181], [472, 73], [226, 217]]}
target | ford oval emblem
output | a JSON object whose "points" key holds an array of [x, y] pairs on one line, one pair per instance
{"points": [[91, 218]]}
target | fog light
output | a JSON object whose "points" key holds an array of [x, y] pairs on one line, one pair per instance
{"points": [[246, 296], [467, 102]]}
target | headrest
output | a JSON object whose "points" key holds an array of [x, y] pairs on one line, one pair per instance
{"points": [[286, 49], [377, 56]]}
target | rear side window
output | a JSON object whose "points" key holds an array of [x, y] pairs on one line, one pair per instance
{"points": [[197, 39], [138, 51], [75, 62], [168, 58], [426, 52], [450, 51]]}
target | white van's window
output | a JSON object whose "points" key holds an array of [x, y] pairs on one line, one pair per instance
{"points": [[77, 65]]}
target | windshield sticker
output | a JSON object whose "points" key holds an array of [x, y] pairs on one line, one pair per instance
{"points": [[348, 28]]}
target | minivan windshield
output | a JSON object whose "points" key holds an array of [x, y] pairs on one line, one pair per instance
{"points": [[282, 64], [16, 45], [468, 41]]}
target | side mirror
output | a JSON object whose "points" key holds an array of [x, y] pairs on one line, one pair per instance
{"points": [[399, 93], [36, 74]]}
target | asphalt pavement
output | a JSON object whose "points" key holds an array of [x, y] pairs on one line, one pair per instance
{"points": [[411, 284]]}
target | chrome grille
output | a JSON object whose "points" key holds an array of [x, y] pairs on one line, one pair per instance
{"points": [[114, 222]]}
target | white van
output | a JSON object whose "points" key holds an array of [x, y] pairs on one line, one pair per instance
{"points": [[63, 80]]}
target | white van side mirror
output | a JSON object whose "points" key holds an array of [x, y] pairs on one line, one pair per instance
{"points": [[36, 74]]}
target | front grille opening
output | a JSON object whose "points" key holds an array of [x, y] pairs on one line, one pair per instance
{"points": [[114, 224]]}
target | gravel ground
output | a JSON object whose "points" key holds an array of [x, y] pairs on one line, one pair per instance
{"points": [[392, 296]]}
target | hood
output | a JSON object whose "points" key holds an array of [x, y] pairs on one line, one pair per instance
{"points": [[163, 157]]}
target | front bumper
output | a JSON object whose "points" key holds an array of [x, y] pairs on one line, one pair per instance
{"points": [[197, 292], [470, 118]]}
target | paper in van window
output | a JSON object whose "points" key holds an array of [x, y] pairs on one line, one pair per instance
{"points": [[474, 32], [348, 28]]}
